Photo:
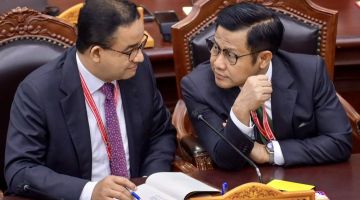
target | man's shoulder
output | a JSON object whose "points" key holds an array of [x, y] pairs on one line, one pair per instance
{"points": [[298, 58], [201, 73], [49, 72]]}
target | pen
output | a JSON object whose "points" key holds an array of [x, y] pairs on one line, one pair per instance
{"points": [[136, 196], [224, 188]]}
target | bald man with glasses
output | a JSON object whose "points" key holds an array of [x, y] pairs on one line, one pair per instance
{"points": [[276, 107]]}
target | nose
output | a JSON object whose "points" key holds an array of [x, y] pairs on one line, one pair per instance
{"points": [[219, 61], [139, 57]]}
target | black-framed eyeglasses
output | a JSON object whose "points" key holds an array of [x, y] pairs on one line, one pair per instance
{"points": [[230, 56], [132, 53]]}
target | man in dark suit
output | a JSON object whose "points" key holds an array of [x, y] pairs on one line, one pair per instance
{"points": [[276, 107], [85, 123]]}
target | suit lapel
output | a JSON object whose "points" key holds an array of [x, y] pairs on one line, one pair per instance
{"points": [[74, 111], [283, 99], [230, 96], [131, 102]]}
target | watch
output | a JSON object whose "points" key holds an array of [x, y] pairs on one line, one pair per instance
{"points": [[269, 147]]}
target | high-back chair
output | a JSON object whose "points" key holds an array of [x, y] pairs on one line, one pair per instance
{"points": [[309, 29], [39, 5], [28, 39]]}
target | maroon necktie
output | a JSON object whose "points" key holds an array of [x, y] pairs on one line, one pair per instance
{"points": [[117, 159]]}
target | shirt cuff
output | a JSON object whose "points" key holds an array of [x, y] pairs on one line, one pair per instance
{"points": [[278, 155], [247, 130], [88, 190]]}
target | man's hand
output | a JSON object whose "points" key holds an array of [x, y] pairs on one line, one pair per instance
{"points": [[259, 154], [113, 187], [256, 90]]}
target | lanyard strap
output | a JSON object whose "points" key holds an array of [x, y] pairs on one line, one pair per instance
{"points": [[265, 130], [95, 111]]}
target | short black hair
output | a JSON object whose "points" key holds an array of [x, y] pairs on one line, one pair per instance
{"points": [[99, 19], [265, 30]]}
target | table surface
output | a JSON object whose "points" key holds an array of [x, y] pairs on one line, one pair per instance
{"points": [[162, 49], [348, 29], [338, 181], [348, 21]]}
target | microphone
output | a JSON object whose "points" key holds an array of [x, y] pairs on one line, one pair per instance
{"points": [[199, 116]]}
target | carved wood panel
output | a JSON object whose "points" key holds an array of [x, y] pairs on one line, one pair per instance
{"points": [[25, 23]]}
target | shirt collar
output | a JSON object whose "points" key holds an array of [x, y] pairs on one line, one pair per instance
{"points": [[93, 83], [269, 71]]}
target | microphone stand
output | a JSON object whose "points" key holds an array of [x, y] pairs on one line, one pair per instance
{"points": [[200, 117]]}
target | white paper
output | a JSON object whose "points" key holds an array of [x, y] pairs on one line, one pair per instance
{"points": [[171, 186]]}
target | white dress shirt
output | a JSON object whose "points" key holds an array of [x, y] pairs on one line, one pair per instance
{"points": [[100, 162], [249, 130]]}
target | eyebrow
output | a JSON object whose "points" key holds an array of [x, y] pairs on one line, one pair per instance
{"points": [[131, 46], [229, 49]]}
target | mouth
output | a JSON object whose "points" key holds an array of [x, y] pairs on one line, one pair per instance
{"points": [[133, 67], [219, 76]]}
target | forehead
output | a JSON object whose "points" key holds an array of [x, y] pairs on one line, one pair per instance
{"points": [[231, 39], [128, 35]]}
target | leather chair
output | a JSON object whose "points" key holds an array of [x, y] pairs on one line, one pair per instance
{"points": [[39, 5], [309, 29], [28, 39]]}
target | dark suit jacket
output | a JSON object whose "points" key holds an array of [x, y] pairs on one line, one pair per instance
{"points": [[48, 143], [309, 121]]}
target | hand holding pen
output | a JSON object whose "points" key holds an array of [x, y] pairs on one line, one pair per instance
{"points": [[114, 187], [136, 196]]}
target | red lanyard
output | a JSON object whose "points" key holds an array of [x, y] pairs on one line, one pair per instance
{"points": [[264, 130], [95, 111]]}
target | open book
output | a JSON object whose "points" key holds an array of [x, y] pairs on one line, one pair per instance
{"points": [[172, 186]]}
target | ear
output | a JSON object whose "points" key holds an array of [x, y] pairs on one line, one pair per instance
{"points": [[264, 58], [95, 53]]}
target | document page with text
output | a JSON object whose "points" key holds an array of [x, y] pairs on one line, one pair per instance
{"points": [[172, 186]]}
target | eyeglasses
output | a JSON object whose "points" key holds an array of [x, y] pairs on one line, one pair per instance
{"points": [[230, 56], [132, 53]]}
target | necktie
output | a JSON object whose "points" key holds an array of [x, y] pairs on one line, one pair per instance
{"points": [[117, 158]]}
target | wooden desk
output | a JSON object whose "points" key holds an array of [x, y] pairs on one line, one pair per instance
{"points": [[348, 31], [338, 181]]}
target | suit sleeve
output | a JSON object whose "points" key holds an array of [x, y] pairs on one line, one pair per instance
{"points": [[331, 137], [26, 147], [162, 141], [221, 153]]}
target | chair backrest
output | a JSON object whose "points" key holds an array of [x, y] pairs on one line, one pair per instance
{"points": [[309, 29], [39, 5], [7, 5], [28, 39]]}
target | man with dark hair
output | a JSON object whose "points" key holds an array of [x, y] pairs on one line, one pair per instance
{"points": [[85, 123], [276, 107]]}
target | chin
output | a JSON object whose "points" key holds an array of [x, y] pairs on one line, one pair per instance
{"points": [[223, 84], [128, 76]]}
